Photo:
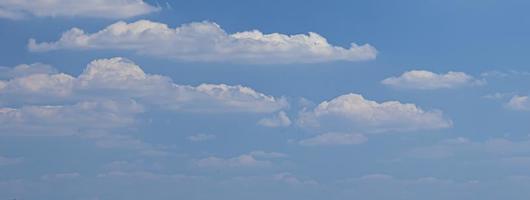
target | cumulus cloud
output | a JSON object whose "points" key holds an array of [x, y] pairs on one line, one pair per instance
{"points": [[354, 112], [279, 120], [113, 9], [207, 42], [328, 139], [521, 103], [200, 137], [68, 119], [252, 159], [121, 78], [104, 102], [26, 70], [426, 80]]}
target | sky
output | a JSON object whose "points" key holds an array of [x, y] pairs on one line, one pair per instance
{"points": [[201, 100]]}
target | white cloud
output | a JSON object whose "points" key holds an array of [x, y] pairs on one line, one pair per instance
{"points": [[201, 137], [105, 122], [497, 96], [291, 179], [113, 9], [252, 159], [73, 119], [426, 80], [119, 78], [37, 88], [279, 120], [103, 103], [207, 42], [504, 74], [334, 139], [264, 154], [353, 112], [517, 102], [26, 70]]}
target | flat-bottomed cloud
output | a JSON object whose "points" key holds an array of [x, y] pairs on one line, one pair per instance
{"points": [[207, 42], [426, 80]]}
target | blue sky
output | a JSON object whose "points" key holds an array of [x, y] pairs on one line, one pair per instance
{"points": [[264, 100]]}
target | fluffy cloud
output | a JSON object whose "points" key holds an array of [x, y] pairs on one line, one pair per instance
{"points": [[426, 80], [26, 70], [114, 9], [354, 112], [279, 120], [104, 102], [334, 139], [207, 42], [119, 78], [517, 102]]}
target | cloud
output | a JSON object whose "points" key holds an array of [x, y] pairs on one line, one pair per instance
{"points": [[276, 179], [279, 120], [426, 80], [328, 139], [263, 154], [252, 159], [521, 103], [207, 42], [104, 102], [105, 122], [240, 161], [497, 95], [119, 78], [73, 119], [26, 70], [354, 112], [289, 178], [504, 73], [201, 137], [112, 9]]}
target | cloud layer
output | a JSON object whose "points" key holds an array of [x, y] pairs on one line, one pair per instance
{"points": [[104, 103], [113, 9], [354, 112], [208, 42], [426, 80], [119, 78]]}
